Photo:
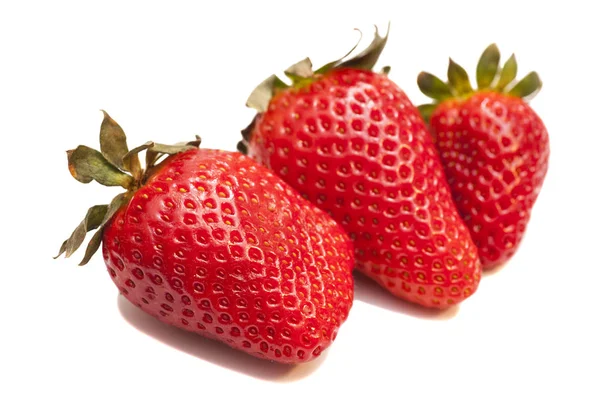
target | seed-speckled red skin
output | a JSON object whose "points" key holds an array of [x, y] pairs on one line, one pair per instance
{"points": [[495, 152], [216, 244], [352, 143]]}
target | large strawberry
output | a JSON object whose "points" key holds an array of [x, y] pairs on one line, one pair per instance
{"points": [[494, 148], [211, 242], [350, 141]]}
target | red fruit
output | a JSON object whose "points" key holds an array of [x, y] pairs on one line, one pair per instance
{"points": [[211, 242], [350, 141], [494, 148]]}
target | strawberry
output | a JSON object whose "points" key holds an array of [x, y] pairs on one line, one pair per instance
{"points": [[212, 242], [494, 149], [350, 141]]}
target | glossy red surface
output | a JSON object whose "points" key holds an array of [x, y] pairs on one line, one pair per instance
{"points": [[353, 144], [495, 153], [216, 244]]}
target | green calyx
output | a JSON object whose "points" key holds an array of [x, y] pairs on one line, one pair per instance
{"points": [[302, 73], [490, 77], [113, 165]]}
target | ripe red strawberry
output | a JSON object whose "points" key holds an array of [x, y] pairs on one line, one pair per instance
{"points": [[211, 242], [494, 148], [350, 141]]}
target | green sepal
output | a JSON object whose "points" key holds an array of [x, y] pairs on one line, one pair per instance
{"points": [[426, 110], [93, 219], [367, 58], [332, 64], [152, 158], [177, 147], [527, 87], [242, 145], [508, 73], [487, 67], [113, 144], [302, 72], [155, 150], [458, 79], [386, 70], [96, 218], [93, 246], [299, 71], [489, 78], [261, 96], [433, 87], [87, 164], [133, 153], [94, 243]]}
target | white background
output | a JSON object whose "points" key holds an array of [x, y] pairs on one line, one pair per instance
{"points": [[166, 71]]}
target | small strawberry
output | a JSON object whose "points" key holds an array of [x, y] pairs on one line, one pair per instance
{"points": [[211, 242], [349, 140], [494, 148]]}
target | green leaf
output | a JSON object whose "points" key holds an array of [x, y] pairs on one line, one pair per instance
{"points": [[508, 73], [261, 96], [96, 240], [301, 70], [333, 64], [426, 110], [172, 148], [155, 150], [93, 246], [527, 87], [87, 164], [113, 143], [133, 153], [458, 79], [369, 56], [92, 220], [116, 203], [151, 158], [433, 87], [386, 70], [487, 68]]}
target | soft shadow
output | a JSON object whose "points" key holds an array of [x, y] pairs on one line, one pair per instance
{"points": [[368, 291], [214, 351]]}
